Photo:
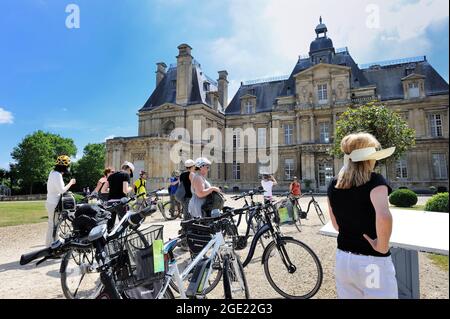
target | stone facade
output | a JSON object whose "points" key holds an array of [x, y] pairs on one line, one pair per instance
{"points": [[304, 107]]}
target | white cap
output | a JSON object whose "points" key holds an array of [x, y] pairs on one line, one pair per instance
{"points": [[189, 163], [202, 161], [130, 165]]}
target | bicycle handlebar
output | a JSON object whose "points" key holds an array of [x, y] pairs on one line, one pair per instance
{"points": [[51, 252]]}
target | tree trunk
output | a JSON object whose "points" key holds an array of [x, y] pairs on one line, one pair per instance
{"points": [[31, 189]]}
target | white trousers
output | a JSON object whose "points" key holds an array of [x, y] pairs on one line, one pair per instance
{"points": [[49, 239], [365, 277]]}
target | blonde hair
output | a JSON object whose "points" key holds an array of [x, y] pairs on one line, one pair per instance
{"points": [[356, 173]]}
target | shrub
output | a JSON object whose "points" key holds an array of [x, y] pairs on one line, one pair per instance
{"points": [[437, 203], [403, 198]]}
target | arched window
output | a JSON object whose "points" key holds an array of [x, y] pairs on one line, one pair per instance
{"points": [[168, 127]]}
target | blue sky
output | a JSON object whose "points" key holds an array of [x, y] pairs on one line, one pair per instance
{"points": [[89, 83]]}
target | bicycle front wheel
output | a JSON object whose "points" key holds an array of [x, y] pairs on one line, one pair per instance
{"points": [[79, 278], [293, 269], [169, 214], [234, 281], [320, 214]]}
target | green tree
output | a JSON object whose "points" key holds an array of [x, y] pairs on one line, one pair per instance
{"points": [[89, 168], [35, 156], [374, 118]]}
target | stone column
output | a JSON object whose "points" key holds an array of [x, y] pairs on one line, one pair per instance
{"points": [[312, 137], [299, 140]]}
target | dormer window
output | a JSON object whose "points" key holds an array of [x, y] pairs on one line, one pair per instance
{"points": [[173, 84], [206, 86], [248, 107], [413, 90], [288, 91]]}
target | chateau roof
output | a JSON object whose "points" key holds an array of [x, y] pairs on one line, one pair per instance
{"points": [[165, 92]]}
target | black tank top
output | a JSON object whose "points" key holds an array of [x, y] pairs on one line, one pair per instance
{"points": [[356, 216]]}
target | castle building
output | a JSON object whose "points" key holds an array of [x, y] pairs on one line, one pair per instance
{"points": [[303, 106]]}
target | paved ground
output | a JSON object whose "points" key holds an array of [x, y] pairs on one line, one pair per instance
{"points": [[43, 281]]}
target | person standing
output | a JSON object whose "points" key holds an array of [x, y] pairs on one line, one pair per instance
{"points": [[359, 211], [140, 186], [55, 189], [174, 182], [102, 188], [119, 187], [267, 183], [186, 179], [200, 187], [295, 188]]}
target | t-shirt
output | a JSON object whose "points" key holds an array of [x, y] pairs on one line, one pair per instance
{"points": [[173, 188], [296, 191], [268, 186], [140, 186], [55, 187], [355, 215], [116, 184], [184, 178]]}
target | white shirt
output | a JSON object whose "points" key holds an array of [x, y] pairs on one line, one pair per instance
{"points": [[267, 185], [55, 187]]}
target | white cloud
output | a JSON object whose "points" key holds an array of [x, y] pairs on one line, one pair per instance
{"points": [[267, 36], [109, 137], [6, 117]]}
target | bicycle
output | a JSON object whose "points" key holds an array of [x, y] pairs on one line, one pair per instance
{"points": [[111, 257], [201, 268], [291, 267], [163, 206], [304, 214]]}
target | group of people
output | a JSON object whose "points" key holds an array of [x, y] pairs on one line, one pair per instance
{"points": [[358, 208]]}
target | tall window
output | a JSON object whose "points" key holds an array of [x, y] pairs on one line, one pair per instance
{"points": [[248, 107], [324, 132], [262, 134], [289, 169], [413, 90], [322, 93], [401, 168], [440, 166], [325, 174], [288, 134], [236, 171], [436, 125], [236, 140]]}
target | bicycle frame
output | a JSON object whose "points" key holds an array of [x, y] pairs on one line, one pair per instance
{"points": [[218, 246]]}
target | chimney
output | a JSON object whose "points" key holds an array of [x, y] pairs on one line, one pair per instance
{"points": [[223, 88], [160, 72], [184, 74]]}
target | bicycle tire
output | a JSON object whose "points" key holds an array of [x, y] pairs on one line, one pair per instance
{"points": [[228, 278], [165, 211], [301, 265], [320, 214], [67, 291]]}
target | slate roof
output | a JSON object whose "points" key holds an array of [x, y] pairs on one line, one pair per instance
{"points": [[388, 79], [165, 92], [265, 93]]}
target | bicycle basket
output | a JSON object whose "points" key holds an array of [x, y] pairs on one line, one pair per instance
{"points": [[286, 212], [139, 257], [197, 240]]}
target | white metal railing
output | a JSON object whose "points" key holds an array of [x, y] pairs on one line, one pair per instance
{"points": [[421, 58], [266, 80]]}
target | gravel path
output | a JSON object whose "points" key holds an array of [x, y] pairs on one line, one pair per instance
{"points": [[31, 282]]}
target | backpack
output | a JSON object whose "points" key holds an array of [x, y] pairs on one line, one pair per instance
{"points": [[213, 201], [87, 217], [180, 194]]}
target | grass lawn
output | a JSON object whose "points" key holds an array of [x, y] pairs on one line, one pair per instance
{"points": [[440, 261], [19, 213], [417, 207]]}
